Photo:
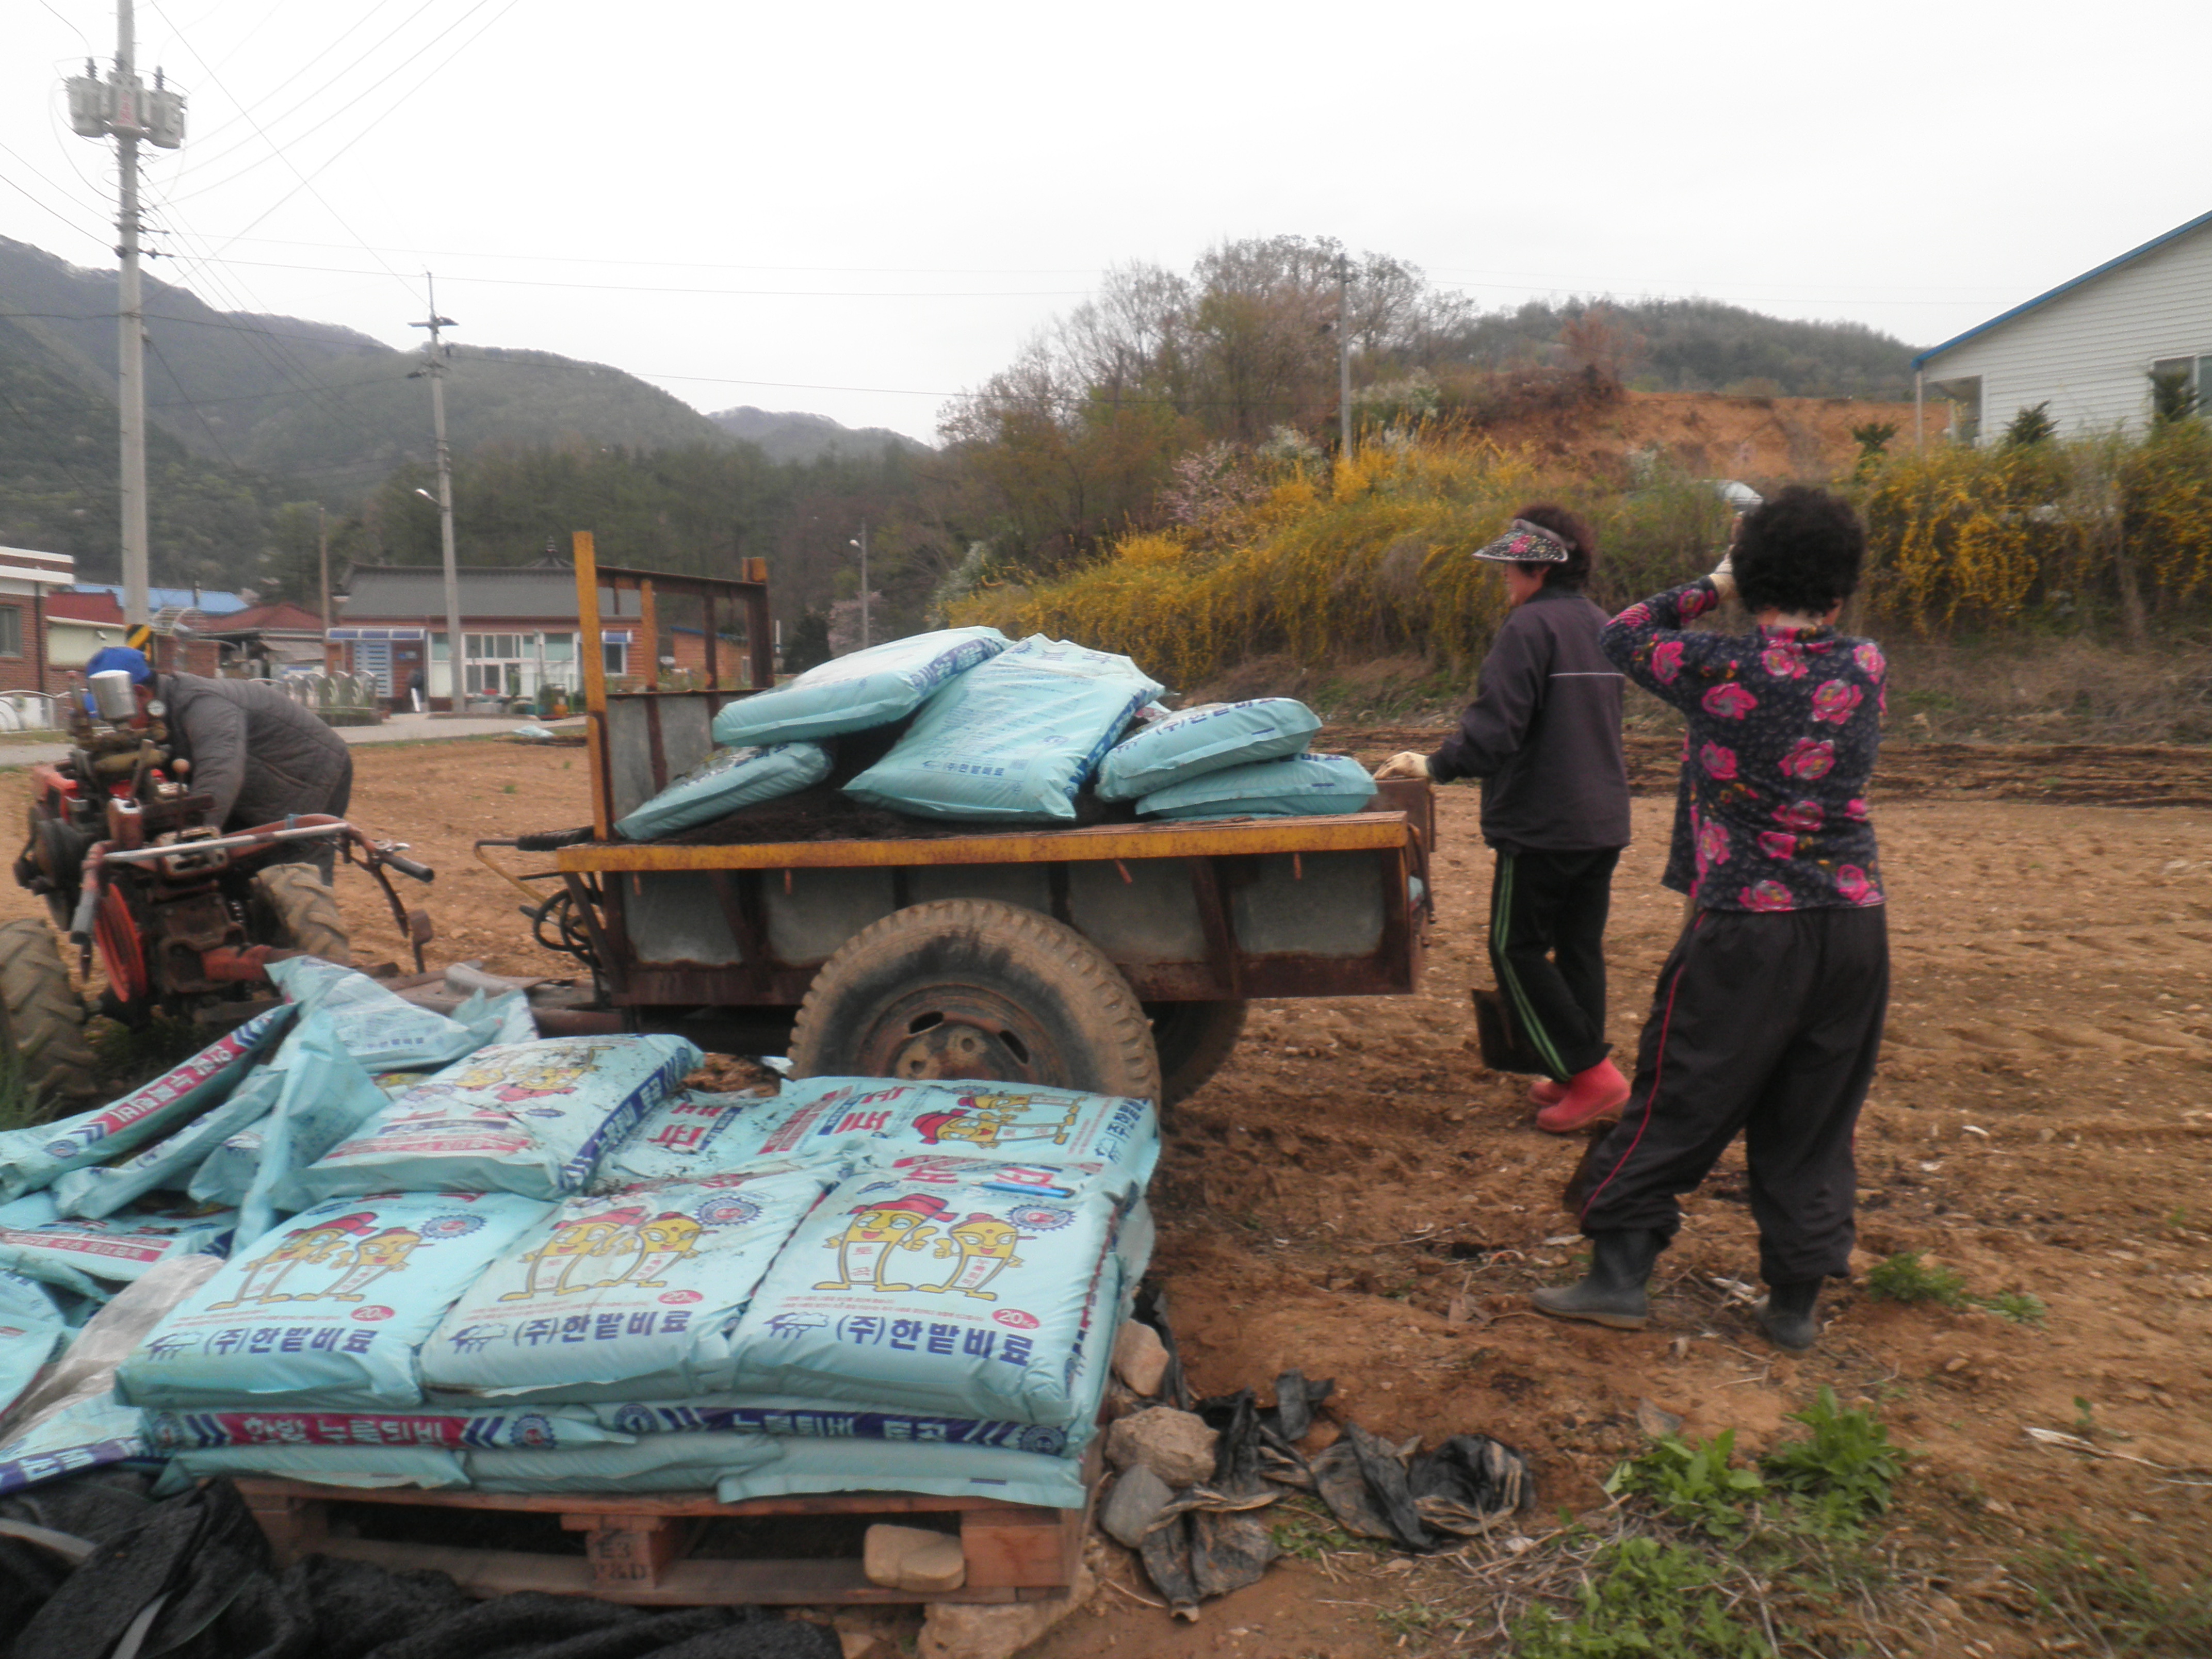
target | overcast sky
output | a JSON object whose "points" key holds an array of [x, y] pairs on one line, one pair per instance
{"points": [[860, 209]]}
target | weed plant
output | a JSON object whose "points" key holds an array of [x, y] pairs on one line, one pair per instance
{"points": [[2116, 1604], [1905, 1278], [1647, 1598]]}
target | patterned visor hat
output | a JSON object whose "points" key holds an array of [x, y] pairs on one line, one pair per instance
{"points": [[1525, 544]]}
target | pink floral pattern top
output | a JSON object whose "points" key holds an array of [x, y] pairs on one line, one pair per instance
{"points": [[1784, 725]]}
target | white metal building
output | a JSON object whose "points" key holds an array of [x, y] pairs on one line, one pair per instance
{"points": [[2088, 347]]}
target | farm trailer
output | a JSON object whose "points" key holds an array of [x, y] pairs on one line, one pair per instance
{"points": [[1118, 957]]}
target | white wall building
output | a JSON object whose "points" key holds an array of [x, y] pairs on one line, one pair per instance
{"points": [[2088, 347]]}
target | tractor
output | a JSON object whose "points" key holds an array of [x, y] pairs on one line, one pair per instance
{"points": [[182, 917]]}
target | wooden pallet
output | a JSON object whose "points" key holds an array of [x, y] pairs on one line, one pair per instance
{"points": [[639, 1547]]}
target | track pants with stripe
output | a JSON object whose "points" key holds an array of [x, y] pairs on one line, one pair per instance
{"points": [[1768, 1024], [1547, 913]]}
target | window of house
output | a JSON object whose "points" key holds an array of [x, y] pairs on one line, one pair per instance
{"points": [[617, 657], [2189, 377], [11, 630]]}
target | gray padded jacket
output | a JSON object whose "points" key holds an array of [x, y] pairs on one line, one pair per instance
{"points": [[258, 753]]}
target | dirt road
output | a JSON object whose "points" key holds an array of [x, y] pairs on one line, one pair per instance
{"points": [[2040, 1123]]}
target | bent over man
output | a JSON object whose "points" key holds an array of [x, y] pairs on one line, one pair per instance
{"points": [[260, 755], [1544, 736], [1768, 1014]]}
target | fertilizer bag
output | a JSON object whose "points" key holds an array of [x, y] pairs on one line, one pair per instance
{"points": [[36, 1241], [724, 782], [518, 1429], [328, 1310], [861, 689], [828, 1118], [1008, 1474], [1012, 740], [170, 1163], [1310, 784], [377, 1028], [687, 1135], [957, 1298], [31, 1328], [629, 1296], [33, 1157], [1207, 738], [523, 1117]]}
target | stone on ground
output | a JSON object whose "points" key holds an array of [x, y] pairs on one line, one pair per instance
{"points": [[914, 1559], [1175, 1445], [1140, 1359], [959, 1630]]}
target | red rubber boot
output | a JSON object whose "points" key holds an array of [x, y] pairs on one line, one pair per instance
{"points": [[1599, 1092]]}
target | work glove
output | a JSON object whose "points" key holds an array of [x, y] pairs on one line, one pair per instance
{"points": [[1724, 574], [1406, 763]]}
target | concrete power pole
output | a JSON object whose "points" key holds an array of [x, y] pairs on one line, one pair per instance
{"points": [[122, 108], [456, 641], [1344, 356], [863, 545], [322, 555]]}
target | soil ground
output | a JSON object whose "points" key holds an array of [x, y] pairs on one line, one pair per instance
{"points": [[2039, 1123]]}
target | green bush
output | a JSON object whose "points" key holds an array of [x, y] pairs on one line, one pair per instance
{"points": [[1644, 1600]]}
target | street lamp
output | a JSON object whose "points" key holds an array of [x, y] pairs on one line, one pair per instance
{"points": [[863, 545]]}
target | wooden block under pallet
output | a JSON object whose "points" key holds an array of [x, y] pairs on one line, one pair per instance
{"points": [[638, 1548]]}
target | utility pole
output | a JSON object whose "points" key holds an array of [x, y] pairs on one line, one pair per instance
{"points": [[122, 108], [863, 545], [1344, 356], [323, 553], [435, 366]]}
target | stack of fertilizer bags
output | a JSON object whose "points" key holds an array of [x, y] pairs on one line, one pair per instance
{"points": [[104, 1214], [550, 1267], [995, 731]]}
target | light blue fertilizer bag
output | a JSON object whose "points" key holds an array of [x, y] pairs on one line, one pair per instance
{"points": [[531, 1118], [629, 1296], [724, 782], [1196, 741], [34, 1158], [953, 1470], [663, 1462], [1011, 741], [84, 1434], [31, 1327], [958, 1299], [518, 1429], [170, 1163], [690, 1134], [36, 1241], [851, 693], [380, 1029], [1311, 784], [330, 1309]]}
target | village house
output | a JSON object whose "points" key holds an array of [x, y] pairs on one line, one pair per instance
{"points": [[2087, 349]]}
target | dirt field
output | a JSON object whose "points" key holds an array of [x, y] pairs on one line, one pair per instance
{"points": [[2039, 1124]]}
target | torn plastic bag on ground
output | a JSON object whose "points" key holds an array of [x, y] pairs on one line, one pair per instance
{"points": [[1311, 784], [629, 1296], [1423, 1500], [1012, 740], [34, 1158], [379, 1028], [1207, 738], [726, 782], [531, 1118], [39, 1242], [861, 689], [329, 1309]]}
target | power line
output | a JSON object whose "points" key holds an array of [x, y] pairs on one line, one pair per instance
{"points": [[725, 293]]}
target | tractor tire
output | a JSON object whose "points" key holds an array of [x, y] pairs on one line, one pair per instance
{"points": [[1195, 1040], [975, 988], [45, 1020], [292, 910]]}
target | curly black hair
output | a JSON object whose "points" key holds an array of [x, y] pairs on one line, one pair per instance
{"points": [[1581, 540], [1799, 551]]}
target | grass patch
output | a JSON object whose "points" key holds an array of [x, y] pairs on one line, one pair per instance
{"points": [[132, 1054], [19, 1107], [1905, 1278], [1310, 1532], [2114, 1604], [1648, 1598]]}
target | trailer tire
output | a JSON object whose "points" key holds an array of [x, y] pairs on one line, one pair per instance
{"points": [[1195, 1041], [975, 988], [295, 911], [44, 1019]]}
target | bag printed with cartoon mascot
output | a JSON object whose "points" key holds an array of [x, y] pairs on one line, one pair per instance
{"points": [[327, 1310], [628, 1295], [939, 1288], [531, 1118]]}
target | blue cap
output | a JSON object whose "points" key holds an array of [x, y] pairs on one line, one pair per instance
{"points": [[131, 662]]}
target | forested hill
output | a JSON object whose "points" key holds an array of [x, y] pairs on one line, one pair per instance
{"points": [[331, 408], [790, 435], [1699, 345]]}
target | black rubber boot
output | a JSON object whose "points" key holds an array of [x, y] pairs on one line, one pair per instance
{"points": [[1788, 1315], [1612, 1293]]}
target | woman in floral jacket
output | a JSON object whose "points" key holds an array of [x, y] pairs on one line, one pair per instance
{"points": [[1767, 1016]]}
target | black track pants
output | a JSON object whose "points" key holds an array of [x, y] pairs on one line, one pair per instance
{"points": [[1769, 1023], [1548, 913]]}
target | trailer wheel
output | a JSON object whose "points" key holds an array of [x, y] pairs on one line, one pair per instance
{"points": [[44, 1018], [293, 910], [973, 988], [1195, 1041]]}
